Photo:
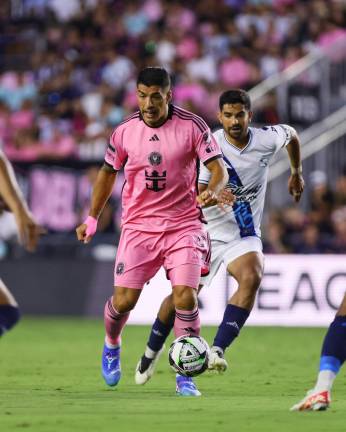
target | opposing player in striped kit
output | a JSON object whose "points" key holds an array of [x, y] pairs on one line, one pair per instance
{"points": [[235, 235]]}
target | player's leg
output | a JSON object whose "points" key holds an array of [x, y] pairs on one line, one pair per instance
{"points": [[9, 311], [187, 319], [159, 332], [116, 313], [188, 255], [333, 356], [133, 268], [247, 269], [165, 320]]}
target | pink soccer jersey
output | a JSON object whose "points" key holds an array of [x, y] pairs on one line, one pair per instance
{"points": [[161, 168]]}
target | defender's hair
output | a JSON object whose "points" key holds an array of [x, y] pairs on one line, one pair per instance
{"points": [[234, 96], [154, 76]]}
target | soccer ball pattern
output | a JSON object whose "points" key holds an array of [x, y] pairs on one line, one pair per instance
{"points": [[189, 355]]}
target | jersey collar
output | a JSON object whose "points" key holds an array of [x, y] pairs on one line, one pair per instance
{"points": [[235, 147], [169, 117]]}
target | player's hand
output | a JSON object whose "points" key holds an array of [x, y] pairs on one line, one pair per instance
{"points": [[207, 198], [29, 231], [225, 198], [81, 232], [296, 186], [86, 230]]}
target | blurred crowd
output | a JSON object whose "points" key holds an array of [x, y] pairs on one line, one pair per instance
{"points": [[68, 67], [320, 229], [68, 71]]}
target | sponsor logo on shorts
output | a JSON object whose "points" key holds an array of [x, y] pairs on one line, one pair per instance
{"points": [[200, 241], [120, 268]]}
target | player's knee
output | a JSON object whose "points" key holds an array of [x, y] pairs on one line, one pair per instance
{"points": [[9, 317], [251, 280], [184, 298], [123, 304]]}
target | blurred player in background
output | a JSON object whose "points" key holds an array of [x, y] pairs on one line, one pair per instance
{"points": [[28, 230], [235, 235], [333, 356], [159, 147]]}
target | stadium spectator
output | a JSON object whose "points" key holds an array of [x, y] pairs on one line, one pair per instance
{"points": [[82, 55], [234, 43]]}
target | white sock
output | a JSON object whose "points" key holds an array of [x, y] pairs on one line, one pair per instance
{"points": [[325, 380], [217, 349], [110, 345], [149, 353]]}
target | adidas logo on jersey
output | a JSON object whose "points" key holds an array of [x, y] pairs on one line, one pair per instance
{"points": [[154, 138]]}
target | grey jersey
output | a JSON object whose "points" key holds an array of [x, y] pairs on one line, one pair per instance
{"points": [[248, 173]]}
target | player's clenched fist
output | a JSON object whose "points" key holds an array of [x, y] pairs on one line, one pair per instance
{"points": [[296, 186], [86, 230]]}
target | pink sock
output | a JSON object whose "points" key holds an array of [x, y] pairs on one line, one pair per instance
{"points": [[186, 322], [114, 323]]}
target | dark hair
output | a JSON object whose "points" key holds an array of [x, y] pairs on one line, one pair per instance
{"points": [[234, 96], [154, 76]]}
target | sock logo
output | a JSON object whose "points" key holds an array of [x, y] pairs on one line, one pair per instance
{"points": [[233, 324], [157, 333], [189, 330]]}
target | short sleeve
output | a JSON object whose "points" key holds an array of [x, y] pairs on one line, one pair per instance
{"points": [[281, 134], [206, 146], [204, 174], [115, 154]]}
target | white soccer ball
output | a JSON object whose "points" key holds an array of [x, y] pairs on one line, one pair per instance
{"points": [[189, 355]]}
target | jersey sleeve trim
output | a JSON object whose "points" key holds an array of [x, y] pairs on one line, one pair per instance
{"points": [[205, 182], [219, 156], [109, 166]]}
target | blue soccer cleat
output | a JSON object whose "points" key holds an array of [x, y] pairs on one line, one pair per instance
{"points": [[186, 387], [111, 368]]}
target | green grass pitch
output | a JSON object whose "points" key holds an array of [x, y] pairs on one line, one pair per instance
{"points": [[50, 382]]}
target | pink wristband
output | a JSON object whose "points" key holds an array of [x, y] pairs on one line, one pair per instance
{"points": [[91, 224]]}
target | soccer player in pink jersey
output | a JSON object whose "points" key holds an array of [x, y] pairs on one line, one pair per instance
{"points": [[159, 147], [11, 199]]}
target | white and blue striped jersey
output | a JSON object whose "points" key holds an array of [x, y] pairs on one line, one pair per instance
{"points": [[248, 173]]}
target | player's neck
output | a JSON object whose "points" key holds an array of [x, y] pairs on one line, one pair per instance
{"points": [[240, 142]]}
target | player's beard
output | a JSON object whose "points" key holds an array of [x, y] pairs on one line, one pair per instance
{"points": [[235, 133]]}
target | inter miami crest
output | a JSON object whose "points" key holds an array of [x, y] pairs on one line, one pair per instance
{"points": [[155, 158], [120, 268]]}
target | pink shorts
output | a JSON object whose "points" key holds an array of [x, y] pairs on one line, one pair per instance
{"points": [[184, 254]]}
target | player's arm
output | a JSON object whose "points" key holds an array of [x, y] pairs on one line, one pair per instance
{"points": [[28, 229], [101, 192], [214, 192], [295, 181], [9, 188]]}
